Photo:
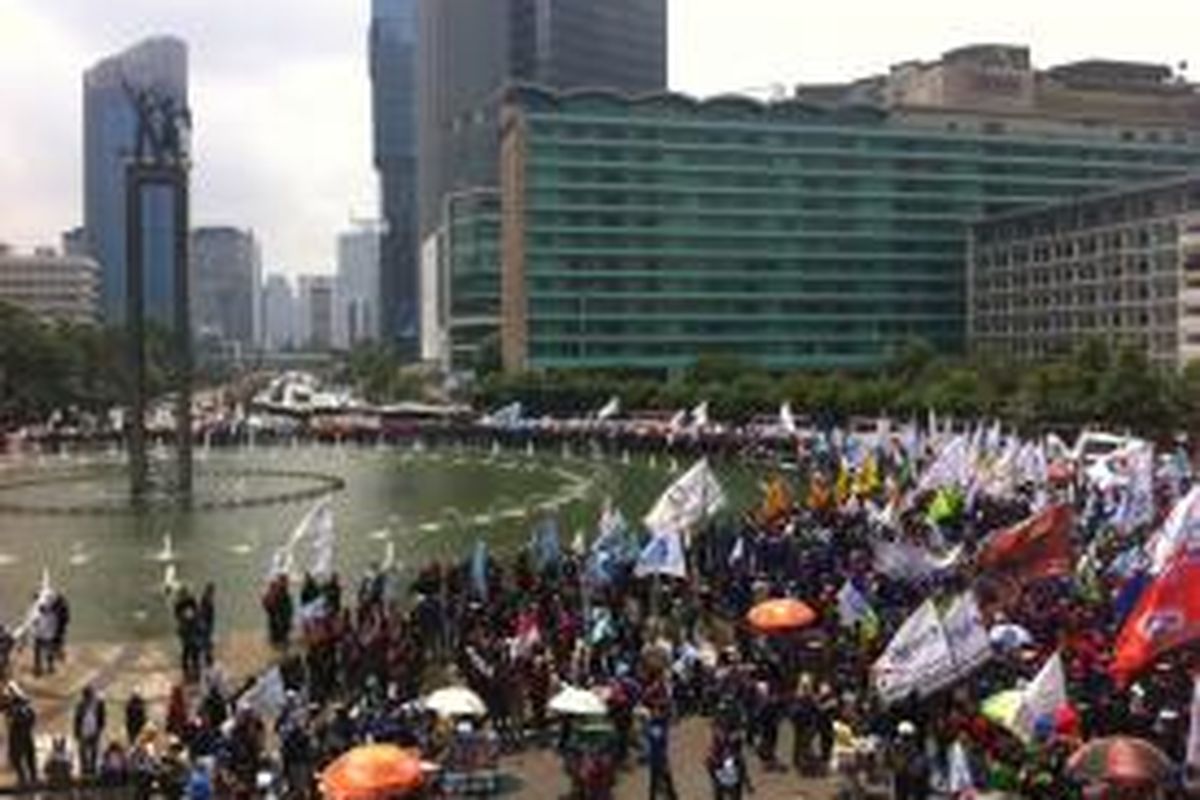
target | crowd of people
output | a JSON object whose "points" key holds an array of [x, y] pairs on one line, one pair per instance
{"points": [[660, 643]]}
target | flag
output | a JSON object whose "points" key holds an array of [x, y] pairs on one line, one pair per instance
{"points": [[909, 562], [324, 537], [266, 696], [507, 417], [917, 659], [1042, 697], [787, 421], [951, 466], [1166, 616], [777, 501], [676, 423], [610, 409], [819, 497], [315, 520], [738, 553], [691, 499], [479, 570], [959, 781], [1181, 529], [545, 544], [663, 555], [969, 643], [866, 479], [1193, 741], [842, 487], [854, 609], [1039, 547], [700, 415]]}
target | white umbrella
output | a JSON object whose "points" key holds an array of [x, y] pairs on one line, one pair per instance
{"points": [[578, 702], [1008, 636], [455, 701]]}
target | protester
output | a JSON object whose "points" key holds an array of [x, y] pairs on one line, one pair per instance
{"points": [[89, 728]]}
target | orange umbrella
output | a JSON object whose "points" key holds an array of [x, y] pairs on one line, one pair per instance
{"points": [[373, 772], [779, 615]]}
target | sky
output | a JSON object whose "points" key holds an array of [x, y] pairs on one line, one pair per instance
{"points": [[281, 99]]}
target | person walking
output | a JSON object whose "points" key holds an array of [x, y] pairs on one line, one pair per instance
{"points": [[658, 757], [135, 717], [45, 634], [726, 762], [89, 727], [206, 624]]}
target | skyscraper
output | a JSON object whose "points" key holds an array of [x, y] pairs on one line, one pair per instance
{"points": [[158, 64], [358, 261], [469, 50], [279, 313], [226, 273], [393, 57]]}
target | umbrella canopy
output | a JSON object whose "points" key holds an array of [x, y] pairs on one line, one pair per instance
{"points": [[1119, 759], [783, 614], [1008, 636], [373, 771], [455, 701], [574, 701]]}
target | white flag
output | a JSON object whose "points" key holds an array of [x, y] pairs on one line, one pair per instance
{"points": [[909, 562], [610, 409], [662, 555], [1044, 695], [323, 537], [1181, 528], [700, 415], [694, 497], [1193, 742], [959, 780], [853, 608], [966, 634], [951, 467], [787, 420], [917, 658]]}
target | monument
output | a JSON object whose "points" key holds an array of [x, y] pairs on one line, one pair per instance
{"points": [[160, 159]]}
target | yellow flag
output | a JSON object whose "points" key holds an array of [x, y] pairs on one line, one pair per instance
{"points": [[866, 480], [843, 483], [777, 500]]}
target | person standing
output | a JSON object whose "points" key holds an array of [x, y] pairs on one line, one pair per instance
{"points": [[135, 717], [61, 610], [22, 756], [89, 727], [658, 757], [206, 624], [45, 633], [187, 613]]}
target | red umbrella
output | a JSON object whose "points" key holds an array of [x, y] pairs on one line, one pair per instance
{"points": [[1119, 759], [783, 614], [373, 772]]}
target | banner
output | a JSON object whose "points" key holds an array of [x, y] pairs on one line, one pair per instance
{"points": [[693, 498], [916, 658], [1041, 698], [1039, 547], [1167, 615], [1181, 528], [663, 555], [966, 634]]}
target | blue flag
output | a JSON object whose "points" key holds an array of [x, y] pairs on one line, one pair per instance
{"points": [[545, 545]]}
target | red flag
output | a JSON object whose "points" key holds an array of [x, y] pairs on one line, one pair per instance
{"points": [[1039, 547], [1166, 616]]}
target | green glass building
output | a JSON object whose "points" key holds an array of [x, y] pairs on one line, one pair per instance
{"points": [[643, 232], [472, 255]]}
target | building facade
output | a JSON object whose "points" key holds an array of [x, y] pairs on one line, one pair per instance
{"points": [[226, 276], [393, 65], [471, 261], [644, 232], [109, 135], [54, 286], [358, 264], [317, 326], [1121, 266], [470, 50], [279, 314]]}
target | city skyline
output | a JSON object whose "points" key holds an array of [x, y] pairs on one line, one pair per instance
{"points": [[282, 100]]}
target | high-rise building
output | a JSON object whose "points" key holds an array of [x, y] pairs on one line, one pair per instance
{"points": [[469, 50], [647, 231], [359, 259], [158, 64], [393, 64], [279, 314], [55, 286], [226, 275], [317, 317]]}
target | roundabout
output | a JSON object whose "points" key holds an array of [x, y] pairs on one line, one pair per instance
{"points": [[67, 517]]}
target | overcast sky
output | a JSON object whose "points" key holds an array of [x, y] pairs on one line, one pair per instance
{"points": [[281, 98]]}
